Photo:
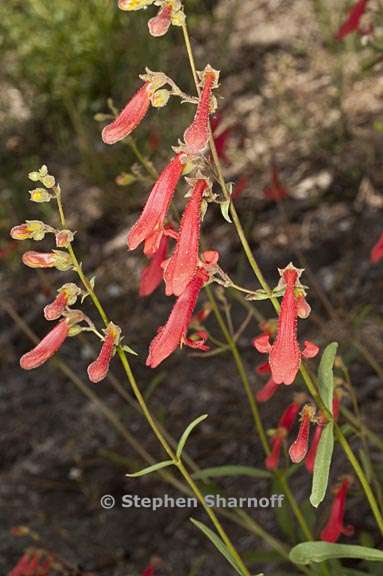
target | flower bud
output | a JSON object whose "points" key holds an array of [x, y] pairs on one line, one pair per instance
{"points": [[55, 259], [130, 5], [298, 449], [64, 238], [160, 98]]}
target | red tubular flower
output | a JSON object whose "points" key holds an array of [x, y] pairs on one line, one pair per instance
{"points": [[276, 191], [149, 571], [151, 276], [351, 24], [286, 422], [298, 449], [130, 117], [197, 135], [285, 354], [31, 564], [151, 221], [181, 267], [98, 369], [46, 348], [377, 251], [39, 259], [54, 310], [159, 25], [173, 334], [272, 460], [269, 388], [335, 527]]}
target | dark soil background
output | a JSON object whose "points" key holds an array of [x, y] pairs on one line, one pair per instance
{"points": [[289, 96]]}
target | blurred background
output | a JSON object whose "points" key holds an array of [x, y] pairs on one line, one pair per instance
{"points": [[293, 102]]}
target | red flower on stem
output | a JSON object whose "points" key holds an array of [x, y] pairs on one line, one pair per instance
{"points": [[152, 275], [159, 25], [299, 447], [285, 354], [47, 347], [377, 251], [130, 117], [269, 388], [181, 267], [149, 226], [276, 191], [335, 525], [174, 332], [352, 22], [67, 296], [98, 369], [197, 135], [286, 422]]}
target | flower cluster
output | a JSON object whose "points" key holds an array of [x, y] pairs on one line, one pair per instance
{"points": [[185, 271], [70, 322]]}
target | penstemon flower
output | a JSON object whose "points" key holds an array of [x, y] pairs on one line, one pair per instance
{"points": [[67, 296], [299, 447], [55, 259], [377, 251], [284, 354], [99, 369], [181, 267], [335, 525], [130, 117], [31, 229], [149, 226], [152, 275], [32, 563], [174, 333], [352, 22], [286, 422], [276, 191], [159, 25], [47, 347], [197, 135], [269, 388]]}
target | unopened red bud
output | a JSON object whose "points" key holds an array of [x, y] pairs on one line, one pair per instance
{"points": [[298, 449], [39, 259], [31, 229], [64, 238], [98, 369], [159, 25]]}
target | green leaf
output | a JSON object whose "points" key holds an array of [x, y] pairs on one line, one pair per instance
{"points": [[325, 374], [225, 210], [308, 552], [151, 469], [187, 432], [129, 350], [231, 470], [322, 465], [219, 544]]}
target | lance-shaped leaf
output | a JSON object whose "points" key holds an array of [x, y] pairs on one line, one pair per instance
{"points": [[326, 376], [219, 544], [231, 470], [187, 432], [151, 469], [308, 552], [322, 465]]}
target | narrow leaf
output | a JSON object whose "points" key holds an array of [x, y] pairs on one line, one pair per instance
{"points": [[231, 470], [325, 374], [187, 433], [151, 469], [308, 552], [322, 465], [218, 543], [129, 350]]}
